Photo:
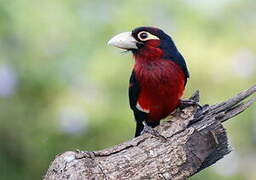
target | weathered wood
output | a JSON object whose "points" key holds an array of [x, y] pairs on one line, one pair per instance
{"points": [[191, 140]]}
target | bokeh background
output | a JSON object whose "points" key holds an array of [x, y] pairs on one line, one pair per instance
{"points": [[62, 88]]}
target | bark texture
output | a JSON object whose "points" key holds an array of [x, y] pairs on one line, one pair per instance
{"points": [[191, 140]]}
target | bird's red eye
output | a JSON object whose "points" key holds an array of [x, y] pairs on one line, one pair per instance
{"points": [[143, 35]]}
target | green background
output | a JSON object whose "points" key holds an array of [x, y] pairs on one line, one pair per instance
{"points": [[62, 88]]}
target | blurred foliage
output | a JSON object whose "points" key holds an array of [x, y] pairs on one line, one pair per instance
{"points": [[62, 88]]}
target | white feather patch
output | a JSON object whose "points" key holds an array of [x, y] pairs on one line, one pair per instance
{"points": [[138, 106]]}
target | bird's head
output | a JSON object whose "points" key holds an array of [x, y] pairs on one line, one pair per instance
{"points": [[149, 43], [146, 41]]}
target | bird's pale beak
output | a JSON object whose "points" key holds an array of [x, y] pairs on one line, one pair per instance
{"points": [[123, 40]]}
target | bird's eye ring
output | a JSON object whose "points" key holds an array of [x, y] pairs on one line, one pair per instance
{"points": [[143, 35]]}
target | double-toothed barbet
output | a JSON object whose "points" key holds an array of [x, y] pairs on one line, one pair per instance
{"points": [[159, 75]]}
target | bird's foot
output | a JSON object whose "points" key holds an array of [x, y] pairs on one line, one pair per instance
{"points": [[84, 154], [202, 111], [189, 102], [150, 130]]}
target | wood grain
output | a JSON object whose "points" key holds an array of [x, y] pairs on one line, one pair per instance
{"points": [[191, 140]]}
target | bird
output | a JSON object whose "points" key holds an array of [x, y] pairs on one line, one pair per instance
{"points": [[159, 74]]}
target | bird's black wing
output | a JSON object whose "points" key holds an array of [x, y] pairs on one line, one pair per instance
{"points": [[134, 90], [179, 59], [182, 63]]}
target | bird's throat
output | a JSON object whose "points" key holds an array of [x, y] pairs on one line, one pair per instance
{"points": [[148, 53]]}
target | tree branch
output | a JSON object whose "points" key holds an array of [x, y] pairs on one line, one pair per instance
{"points": [[191, 140]]}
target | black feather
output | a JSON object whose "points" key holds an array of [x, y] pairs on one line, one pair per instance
{"points": [[134, 90]]}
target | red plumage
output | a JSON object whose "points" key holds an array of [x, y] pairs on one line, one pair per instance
{"points": [[161, 87], [159, 75], [161, 82]]}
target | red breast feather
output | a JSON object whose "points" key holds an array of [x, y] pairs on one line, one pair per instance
{"points": [[161, 81]]}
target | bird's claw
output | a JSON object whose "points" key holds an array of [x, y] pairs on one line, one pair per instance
{"points": [[199, 114], [150, 130], [189, 102], [84, 154], [202, 111]]}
